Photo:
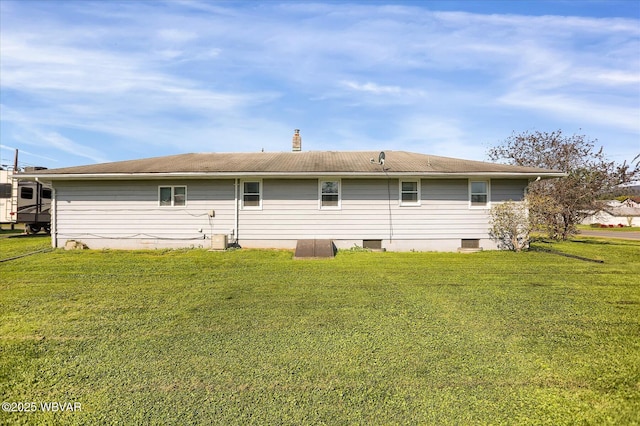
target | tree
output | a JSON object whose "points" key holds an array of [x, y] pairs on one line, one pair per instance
{"points": [[510, 226], [558, 205]]}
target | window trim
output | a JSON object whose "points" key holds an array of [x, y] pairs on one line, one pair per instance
{"points": [[242, 194], [486, 205], [6, 190], [320, 182], [173, 195], [418, 201], [24, 190]]}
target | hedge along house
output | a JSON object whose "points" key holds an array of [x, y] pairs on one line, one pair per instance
{"points": [[404, 201]]}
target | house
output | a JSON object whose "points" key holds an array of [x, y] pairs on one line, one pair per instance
{"points": [[631, 202], [399, 201], [615, 213]]}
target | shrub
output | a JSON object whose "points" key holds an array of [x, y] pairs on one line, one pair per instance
{"points": [[510, 226]]}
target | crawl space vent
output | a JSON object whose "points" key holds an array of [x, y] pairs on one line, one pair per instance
{"points": [[470, 244]]}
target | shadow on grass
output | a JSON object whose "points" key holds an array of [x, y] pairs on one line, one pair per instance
{"points": [[559, 253], [27, 235], [609, 243], [596, 241]]}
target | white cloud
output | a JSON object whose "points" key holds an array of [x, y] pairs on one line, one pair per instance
{"points": [[40, 68], [51, 139], [67, 145], [616, 78], [372, 88], [581, 110], [221, 71], [176, 35]]}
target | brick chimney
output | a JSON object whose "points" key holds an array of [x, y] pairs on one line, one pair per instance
{"points": [[297, 140]]}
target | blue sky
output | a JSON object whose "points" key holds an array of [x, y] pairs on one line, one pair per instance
{"points": [[84, 82]]}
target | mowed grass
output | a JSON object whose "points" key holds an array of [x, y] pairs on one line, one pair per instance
{"points": [[255, 337]]}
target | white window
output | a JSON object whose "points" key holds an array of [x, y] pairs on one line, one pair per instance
{"points": [[479, 193], [329, 194], [172, 195], [409, 192], [252, 195]]}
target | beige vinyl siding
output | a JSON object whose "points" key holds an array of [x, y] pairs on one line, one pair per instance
{"points": [[290, 211], [505, 190], [129, 211], [126, 214]]}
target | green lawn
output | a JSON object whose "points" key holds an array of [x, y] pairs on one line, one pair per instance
{"points": [[6, 230], [255, 337]]}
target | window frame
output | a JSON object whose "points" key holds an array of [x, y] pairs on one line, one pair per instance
{"points": [[6, 190], [24, 190], [243, 193], [321, 194], [487, 193], [173, 195], [401, 192]]}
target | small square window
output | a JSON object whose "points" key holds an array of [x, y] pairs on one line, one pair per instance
{"points": [[251, 195], [409, 193], [479, 193], [172, 196], [330, 194]]}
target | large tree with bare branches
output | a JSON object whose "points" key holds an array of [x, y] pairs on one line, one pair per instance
{"points": [[558, 205]]}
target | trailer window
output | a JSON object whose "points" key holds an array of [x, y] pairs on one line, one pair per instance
{"points": [[5, 190], [46, 193], [26, 193]]}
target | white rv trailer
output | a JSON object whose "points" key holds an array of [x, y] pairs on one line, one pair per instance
{"points": [[24, 202]]}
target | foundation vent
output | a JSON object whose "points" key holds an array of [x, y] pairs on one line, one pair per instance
{"points": [[470, 244]]}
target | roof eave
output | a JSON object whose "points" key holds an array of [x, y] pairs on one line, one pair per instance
{"points": [[228, 175]]}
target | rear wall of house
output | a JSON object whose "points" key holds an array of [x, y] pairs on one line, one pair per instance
{"points": [[105, 214], [118, 214]]}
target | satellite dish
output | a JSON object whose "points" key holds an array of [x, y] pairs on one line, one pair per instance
{"points": [[381, 158]]}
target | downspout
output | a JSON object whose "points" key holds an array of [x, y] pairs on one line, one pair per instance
{"points": [[54, 217], [38, 202], [237, 210]]}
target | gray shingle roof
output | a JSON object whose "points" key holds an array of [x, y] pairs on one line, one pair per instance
{"points": [[623, 211], [294, 163]]}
